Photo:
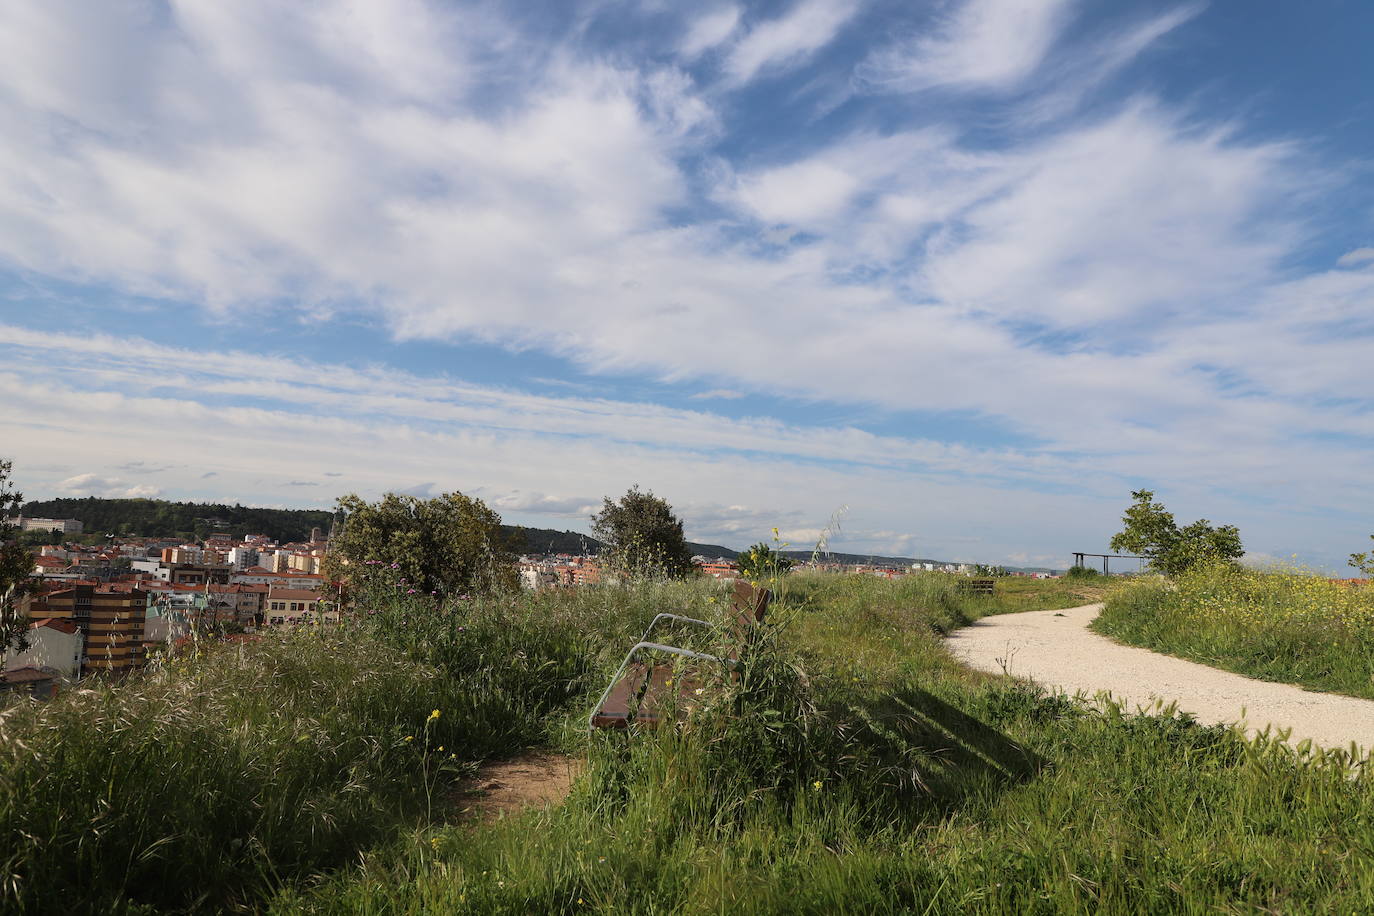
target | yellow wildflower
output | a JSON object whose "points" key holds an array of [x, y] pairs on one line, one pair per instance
{"points": [[433, 715]]}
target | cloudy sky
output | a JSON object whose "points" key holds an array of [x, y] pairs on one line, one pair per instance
{"points": [[974, 269]]}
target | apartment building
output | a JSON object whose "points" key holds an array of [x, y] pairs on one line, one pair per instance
{"points": [[111, 623], [292, 605]]}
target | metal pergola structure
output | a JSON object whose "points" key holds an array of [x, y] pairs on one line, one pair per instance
{"points": [[1079, 560]]}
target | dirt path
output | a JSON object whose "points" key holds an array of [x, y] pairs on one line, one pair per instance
{"points": [[1055, 649], [509, 786]]}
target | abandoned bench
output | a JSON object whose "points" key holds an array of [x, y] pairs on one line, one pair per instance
{"points": [[978, 586], [645, 691]]}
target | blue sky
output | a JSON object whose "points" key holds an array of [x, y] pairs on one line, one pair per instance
{"points": [[974, 269]]}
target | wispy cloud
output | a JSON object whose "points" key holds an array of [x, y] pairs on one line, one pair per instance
{"points": [[778, 43], [1117, 284], [1356, 258], [709, 30], [982, 44]]}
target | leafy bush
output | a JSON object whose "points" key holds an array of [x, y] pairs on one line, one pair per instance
{"points": [[642, 537], [761, 563], [1150, 530]]}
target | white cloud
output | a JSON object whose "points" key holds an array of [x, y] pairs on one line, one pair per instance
{"points": [[579, 507], [1356, 257], [105, 487], [789, 39], [984, 44], [1117, 292], [718, 394], [709, 30]]}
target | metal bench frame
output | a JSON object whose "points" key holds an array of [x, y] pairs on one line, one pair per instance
{"points": [[646, 643]]}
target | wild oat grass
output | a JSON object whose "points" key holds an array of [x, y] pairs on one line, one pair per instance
{"points": [[1289, 626]]}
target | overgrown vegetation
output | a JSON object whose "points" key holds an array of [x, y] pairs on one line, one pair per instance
{"points": [[855, 768], [1294, 626], [762, 563]]}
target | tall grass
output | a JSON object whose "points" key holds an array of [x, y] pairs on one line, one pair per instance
{"points": [[1293, 626], [211, 779], [915, 787], [855, 767]]}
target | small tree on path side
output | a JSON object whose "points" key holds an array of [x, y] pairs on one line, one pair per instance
{"points": [[1151, 532]]}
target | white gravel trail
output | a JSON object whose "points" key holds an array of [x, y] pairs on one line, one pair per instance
{"points": [[1057, 650]]}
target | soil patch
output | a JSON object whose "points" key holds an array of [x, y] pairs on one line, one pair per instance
{"points": [[536, 780]]}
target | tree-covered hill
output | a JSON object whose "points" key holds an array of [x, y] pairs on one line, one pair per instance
{"points": [[162, 518]]}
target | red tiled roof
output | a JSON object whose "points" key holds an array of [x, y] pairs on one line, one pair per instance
{"points": [[65, 626], [25, 676], [293, 594]]}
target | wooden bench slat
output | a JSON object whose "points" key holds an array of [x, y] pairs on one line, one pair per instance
{"points": [[646, 693], [623, 699]]}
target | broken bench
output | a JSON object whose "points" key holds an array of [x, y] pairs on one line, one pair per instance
{"points": [[645, 691]]}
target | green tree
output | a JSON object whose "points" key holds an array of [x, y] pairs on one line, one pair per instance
{"points": [[642, 536], [1150, 531], [1364, 562], [16, 566], [451, 544], [761, 563]]}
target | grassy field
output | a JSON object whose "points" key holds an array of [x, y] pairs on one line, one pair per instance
{"points": [[1291, 627], [856, 768]]}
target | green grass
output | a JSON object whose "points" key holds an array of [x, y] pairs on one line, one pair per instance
{"points": [[856, 768], [1291, 627]]}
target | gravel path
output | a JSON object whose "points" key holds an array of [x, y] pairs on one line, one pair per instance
{"points": [[1057, 650]]}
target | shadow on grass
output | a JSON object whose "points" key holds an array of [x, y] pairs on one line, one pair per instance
{"points": [[934, 754]]}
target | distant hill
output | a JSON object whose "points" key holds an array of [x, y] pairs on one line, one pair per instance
{"points": [[546, 540], [160, 518], [902, 562]]}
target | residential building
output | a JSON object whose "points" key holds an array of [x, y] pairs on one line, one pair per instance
{"points": [[48, 566], [256, 575], [303, 562], [39, 682], [54, 645], [292, 605], [63, 525], [111, 622], [719, 568]]}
